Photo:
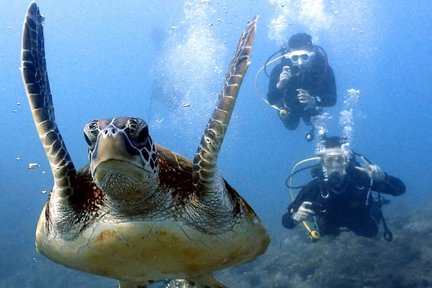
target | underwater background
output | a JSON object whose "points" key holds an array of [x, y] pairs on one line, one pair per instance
{"points": [[164, 61]]}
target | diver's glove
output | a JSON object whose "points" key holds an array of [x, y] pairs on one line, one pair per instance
{"points": [[308, 101], [303, 212], [284, 77], [375, 172]]}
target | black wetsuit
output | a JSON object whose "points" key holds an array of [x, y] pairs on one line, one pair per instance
{"points": [[319, 82], [351, 207]]}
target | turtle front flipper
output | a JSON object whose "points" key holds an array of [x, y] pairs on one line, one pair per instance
{"points": [[35, 78], [204, 163]]}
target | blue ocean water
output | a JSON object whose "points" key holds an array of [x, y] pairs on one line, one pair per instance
{"points": [[164, 61]]}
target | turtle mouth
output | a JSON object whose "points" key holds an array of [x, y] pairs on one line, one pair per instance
{"points": [[117, 167]]}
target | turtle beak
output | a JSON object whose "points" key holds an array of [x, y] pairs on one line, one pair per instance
{"points": [[113, 144]]}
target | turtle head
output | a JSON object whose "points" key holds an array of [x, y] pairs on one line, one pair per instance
{"points": [[121, 154]]}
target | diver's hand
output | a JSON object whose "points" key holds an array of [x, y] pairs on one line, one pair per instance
{"points": [[375, 172], [303, 212], [284, 76], [306, 99]]}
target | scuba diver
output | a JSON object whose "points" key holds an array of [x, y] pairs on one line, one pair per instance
{"points": [[302, 83], [340, 193]]}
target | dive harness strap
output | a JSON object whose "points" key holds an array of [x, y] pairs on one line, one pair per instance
{"points": [[387, 234]]}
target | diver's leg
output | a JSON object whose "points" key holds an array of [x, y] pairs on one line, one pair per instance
{"points": [[366, 228], [307, 119]]}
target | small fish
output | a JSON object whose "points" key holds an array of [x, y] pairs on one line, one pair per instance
{"points": [[33, 165], [185, 105]]}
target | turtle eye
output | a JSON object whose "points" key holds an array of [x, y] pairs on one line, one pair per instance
{"points": [[138, 131], [91, 132], [142, 134]]}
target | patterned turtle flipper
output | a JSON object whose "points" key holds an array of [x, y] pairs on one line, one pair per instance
{"points": [[35, 78], [204, 162]]}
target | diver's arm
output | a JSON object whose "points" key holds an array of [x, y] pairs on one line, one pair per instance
{"points": [[305, 194], [274, 95], [381, 181], [288, 221], [389, 185]]}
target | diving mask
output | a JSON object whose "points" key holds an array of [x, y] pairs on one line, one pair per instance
{"points": [[300, 57], [334, 162]]}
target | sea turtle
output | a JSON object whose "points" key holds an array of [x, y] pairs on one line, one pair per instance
{"points": [[139, 212]]}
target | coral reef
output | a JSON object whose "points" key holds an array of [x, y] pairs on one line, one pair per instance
{"points": [[347, 260]]}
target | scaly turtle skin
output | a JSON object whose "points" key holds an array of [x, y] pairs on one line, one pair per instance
{"points": [[139, 212]]}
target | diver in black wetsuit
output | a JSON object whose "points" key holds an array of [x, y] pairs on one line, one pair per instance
{"points": [[340, 194], [302, 83]]}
